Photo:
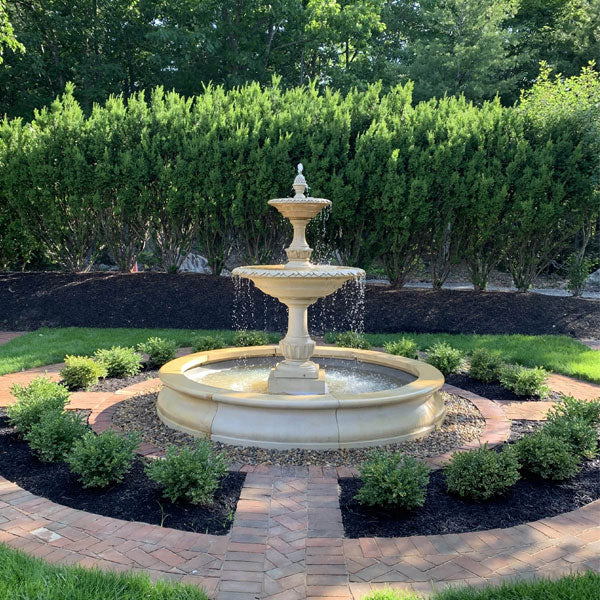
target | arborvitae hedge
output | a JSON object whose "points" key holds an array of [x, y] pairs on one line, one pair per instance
{"points": [[442, 180]]}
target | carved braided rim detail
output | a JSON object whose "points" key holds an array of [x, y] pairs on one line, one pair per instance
{"points": [[319, 272], [305, 200]]}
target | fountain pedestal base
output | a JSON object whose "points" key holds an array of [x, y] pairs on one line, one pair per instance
{"points": [[281, 384]]}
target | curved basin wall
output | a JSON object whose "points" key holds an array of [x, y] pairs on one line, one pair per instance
{"points": [[318, 422]]}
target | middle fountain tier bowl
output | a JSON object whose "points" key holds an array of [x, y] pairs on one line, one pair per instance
{"points": [[346, 398]]}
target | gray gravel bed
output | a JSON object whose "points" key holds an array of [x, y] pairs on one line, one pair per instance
{"points": [[463, 423]]}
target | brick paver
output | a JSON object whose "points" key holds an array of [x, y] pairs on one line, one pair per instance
{"points": [[287, 542], [7, 336]]}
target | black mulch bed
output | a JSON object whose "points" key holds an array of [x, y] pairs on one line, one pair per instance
{"points": [[191, 301], [115, 384], [529, 500], [492, 391], [136, 499]]}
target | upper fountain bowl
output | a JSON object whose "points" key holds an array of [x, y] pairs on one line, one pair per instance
{"points": [[300, 207], [304, 284]]}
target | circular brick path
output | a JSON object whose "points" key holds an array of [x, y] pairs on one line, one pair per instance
{"points": [[287, 540]]}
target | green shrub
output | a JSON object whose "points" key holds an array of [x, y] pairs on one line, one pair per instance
{"points": [[352, 339], [159, 351], [119, 361], [81, 372], [578, 270], [581, 437], [483, 473], [393, 480], [100, 460], [190, 472], [53, 436], [445, 358], [404, 347], [572, 408], [485, 365], [525, 382], [39, 397], [251, 338], [547, 456], [208, 342]]}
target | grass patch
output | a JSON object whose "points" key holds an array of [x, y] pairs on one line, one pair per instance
{"points": [[26, 578], [556, 353], [572, 587], [50, 345]]}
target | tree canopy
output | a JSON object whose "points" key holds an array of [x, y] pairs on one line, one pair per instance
{"points": [[479, 48]]}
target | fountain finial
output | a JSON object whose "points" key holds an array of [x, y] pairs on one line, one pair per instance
{"points": [[300, 183]]}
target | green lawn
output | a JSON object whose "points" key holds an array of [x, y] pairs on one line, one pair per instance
{"points": [[557, 353], [25, 578], [46, 346], [573, 587]]}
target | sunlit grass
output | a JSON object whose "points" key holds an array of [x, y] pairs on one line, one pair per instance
{"points": [[25, 578]]}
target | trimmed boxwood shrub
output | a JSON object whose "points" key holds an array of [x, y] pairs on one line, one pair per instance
{"points": [[81, 372], [247, 337], [119, 361], [445, 358], [159, 351], [352, 339], [572, 408], [53, 436], [34, 400], [485, 365], [403, 347], [208, 342], [191, 473], [525, 382], [547, 456], [483, 473], [100, 460], [578, 434], [393, 480]]}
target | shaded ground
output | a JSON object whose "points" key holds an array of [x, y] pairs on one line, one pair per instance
{"points": [[32, 300], [528, 500]]}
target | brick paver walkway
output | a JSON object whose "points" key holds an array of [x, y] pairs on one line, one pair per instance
{"points": [[286, 542], [7, 336]]}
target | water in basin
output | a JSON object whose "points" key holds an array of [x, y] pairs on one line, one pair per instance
{"points": [[342, 376]]}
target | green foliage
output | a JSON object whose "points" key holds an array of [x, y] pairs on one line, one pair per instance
{"points": [[547, 456], [445, 358], [53, 436], [100, 460], [252, 338], [578, 270], [34, 400], [393, 480], [525, 382], [191, 473], [81, 372], [352, 339], [575, 432], [159, 350], [483, 473], [571, 408], [485, 365], [119, 361], [208, 342], [403, 347]]}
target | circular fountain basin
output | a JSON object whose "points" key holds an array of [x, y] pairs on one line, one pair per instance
{"points": [[199, 397]]}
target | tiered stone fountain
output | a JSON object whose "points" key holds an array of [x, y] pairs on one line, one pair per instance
{"points": [[243, 396]]}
